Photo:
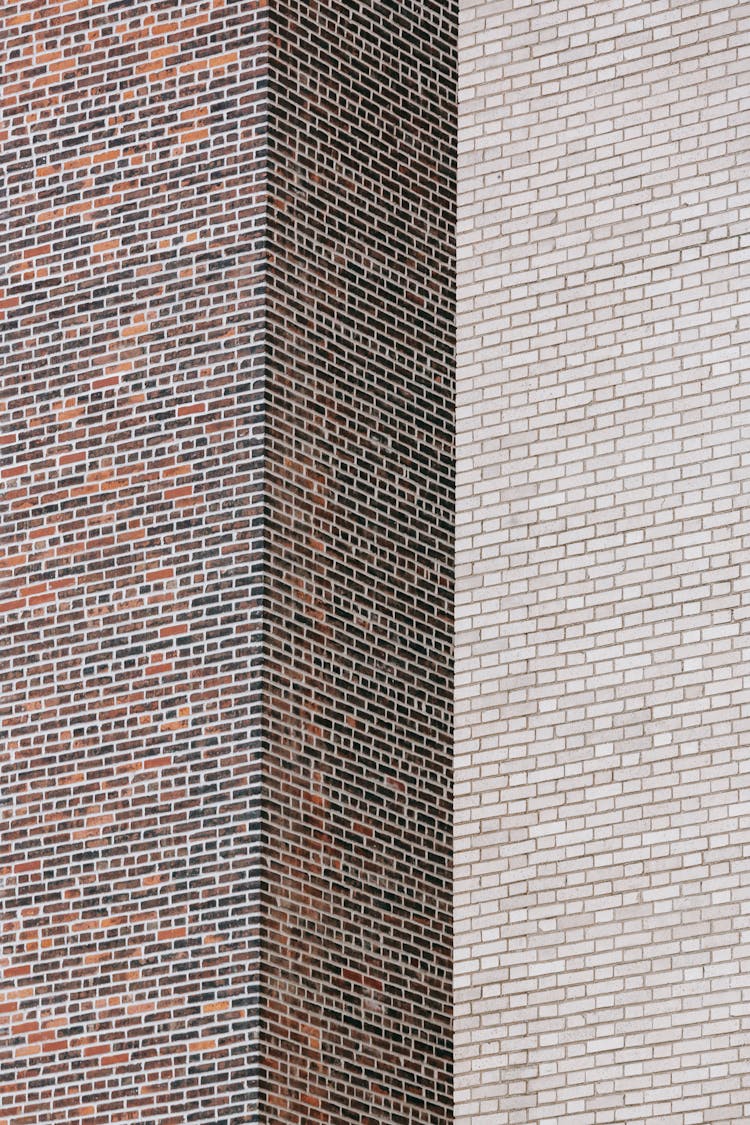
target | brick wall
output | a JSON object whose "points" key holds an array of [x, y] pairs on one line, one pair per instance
{"points": [[226, 514], [359, 445], [130, 259], [602, 784]]}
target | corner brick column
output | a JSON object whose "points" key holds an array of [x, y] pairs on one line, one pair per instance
{"points": [[226, 488]]}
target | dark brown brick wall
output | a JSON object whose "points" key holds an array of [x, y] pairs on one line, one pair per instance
{"points": [[226, 486], [359, 462], [130, 358]]}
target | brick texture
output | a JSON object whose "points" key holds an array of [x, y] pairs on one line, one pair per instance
{"points": [[359, 461], [226, 506], [130, 268], [602, 783]]}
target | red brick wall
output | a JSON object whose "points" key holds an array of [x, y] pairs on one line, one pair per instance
{"points": [[226, 514], [130, 261], [359, 460]]}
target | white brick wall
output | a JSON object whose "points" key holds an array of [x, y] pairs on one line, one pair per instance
{"points": [[603, 680]]}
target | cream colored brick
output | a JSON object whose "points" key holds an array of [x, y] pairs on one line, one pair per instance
{"points": [[603, 676]]}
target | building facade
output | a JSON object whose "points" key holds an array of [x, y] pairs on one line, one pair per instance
{"points": [[227, 489], [602, 779], [236, 431]]}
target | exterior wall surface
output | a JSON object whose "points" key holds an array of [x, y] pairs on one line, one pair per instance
{"points": [[131, 254], [226, 517], [359, 593], [602, 770]]}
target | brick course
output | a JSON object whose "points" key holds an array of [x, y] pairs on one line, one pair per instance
{"points": [[602, 411]]}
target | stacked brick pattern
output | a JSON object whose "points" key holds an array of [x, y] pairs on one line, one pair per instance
{"points": [[602, 782], [359, 532], [130, 349]]}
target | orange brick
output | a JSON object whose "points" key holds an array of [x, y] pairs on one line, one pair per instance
{"points": [[176, 630]]}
